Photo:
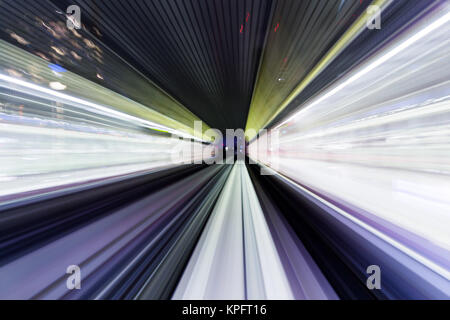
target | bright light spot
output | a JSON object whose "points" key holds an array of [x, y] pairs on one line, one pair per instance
{"points": [[57, 86], [19, 39]]}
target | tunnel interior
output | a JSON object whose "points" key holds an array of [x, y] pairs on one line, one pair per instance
{"points": [[224, 149]]}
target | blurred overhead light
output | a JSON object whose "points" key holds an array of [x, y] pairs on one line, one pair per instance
{"points": [[57, 86]]}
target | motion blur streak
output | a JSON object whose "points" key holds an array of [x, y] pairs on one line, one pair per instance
{"points": [[103, 170], [375, 145], [249, 266]]}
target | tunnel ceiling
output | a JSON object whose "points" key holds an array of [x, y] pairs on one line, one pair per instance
{"points": [[232, 63], [205, 53]]}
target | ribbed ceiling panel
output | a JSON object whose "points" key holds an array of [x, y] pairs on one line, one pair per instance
{"points": [[205, 53]]}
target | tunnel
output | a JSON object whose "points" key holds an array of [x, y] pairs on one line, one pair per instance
{"points": [[223, 150]]}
